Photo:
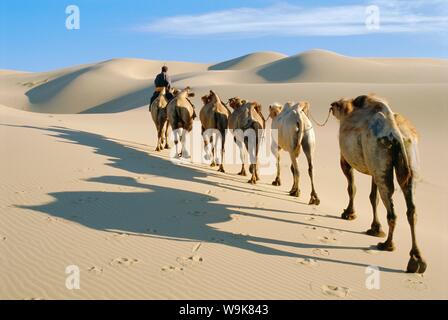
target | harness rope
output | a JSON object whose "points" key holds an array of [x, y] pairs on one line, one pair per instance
{"points": [[320, 124]]}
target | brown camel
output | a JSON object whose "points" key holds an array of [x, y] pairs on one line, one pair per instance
{"points": [[376, 141], [294, 132], [214, 115], [181, 113], [160, 118], [247, 116]]}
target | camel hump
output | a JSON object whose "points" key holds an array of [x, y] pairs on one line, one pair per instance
{"points": [[384, 127]]}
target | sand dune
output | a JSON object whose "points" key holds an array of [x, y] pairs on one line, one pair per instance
{"points": [[88, 189], [122, 84], [248, 61], [110, 86], [325, 66]]}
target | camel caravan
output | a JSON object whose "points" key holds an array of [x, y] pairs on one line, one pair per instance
{"points": [[373, 140]]}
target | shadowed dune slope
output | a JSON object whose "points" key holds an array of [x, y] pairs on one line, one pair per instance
{"points": [[248, 61], [122, 84]]}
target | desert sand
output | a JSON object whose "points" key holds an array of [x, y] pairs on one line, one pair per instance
{"points": [[82, 185]]}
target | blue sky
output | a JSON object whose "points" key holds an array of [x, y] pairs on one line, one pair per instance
{"points": [[34, 37]]}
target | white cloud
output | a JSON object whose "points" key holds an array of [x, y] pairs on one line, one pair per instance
{"points": [[396, 16]]}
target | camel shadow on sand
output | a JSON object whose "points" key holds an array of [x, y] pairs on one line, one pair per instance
{"points": [[142, 208]]}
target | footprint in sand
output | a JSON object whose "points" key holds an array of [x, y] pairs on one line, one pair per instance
{"points": [[95, 269], [333, 231], [310, 218], [185, 261], [197, 213], [81, 201], [321, 252], [311, 227], [127, 262], [309, 262], [416, 283], [335, 291], [118, 236], [171, 268], [328, 239], [3, 238], [52, 219]]}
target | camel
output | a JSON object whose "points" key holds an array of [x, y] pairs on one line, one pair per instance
{"points": [[160, 118], [214, 115], [181, 113], [245, 116], [293, 132], [376, 141]]}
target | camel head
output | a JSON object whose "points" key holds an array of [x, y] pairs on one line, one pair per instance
{"points": [[189, 93], [206, 99], [341, 108], [175, 92], [274, 110], [236, 103], [305, 106]]}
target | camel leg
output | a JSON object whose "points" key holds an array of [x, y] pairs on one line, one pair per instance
{"points": [[176, 142], [349, 212], [242, 157], [183, 140], [257, 146], [159, 137], [375, 229], [213, 164], [167, 126], [253, 170], [223, 142], [416, 263], [295, 192], [308, 149], [277, 182], [386, 187]]}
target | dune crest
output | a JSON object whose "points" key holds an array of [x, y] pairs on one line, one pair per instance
{"points": [[122, 84], [248, 61]]}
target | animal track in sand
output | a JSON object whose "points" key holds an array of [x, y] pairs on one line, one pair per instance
{"points": [[118, 236], [335, 291], [52, 219], [328, 239], [416, 283], [171, 268], [124, 262], [311, 227], [332, 231], [95, 269], [84, 200], [309, 262], [321, 252], [197, 213], [310, 218], [185, 261]]}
